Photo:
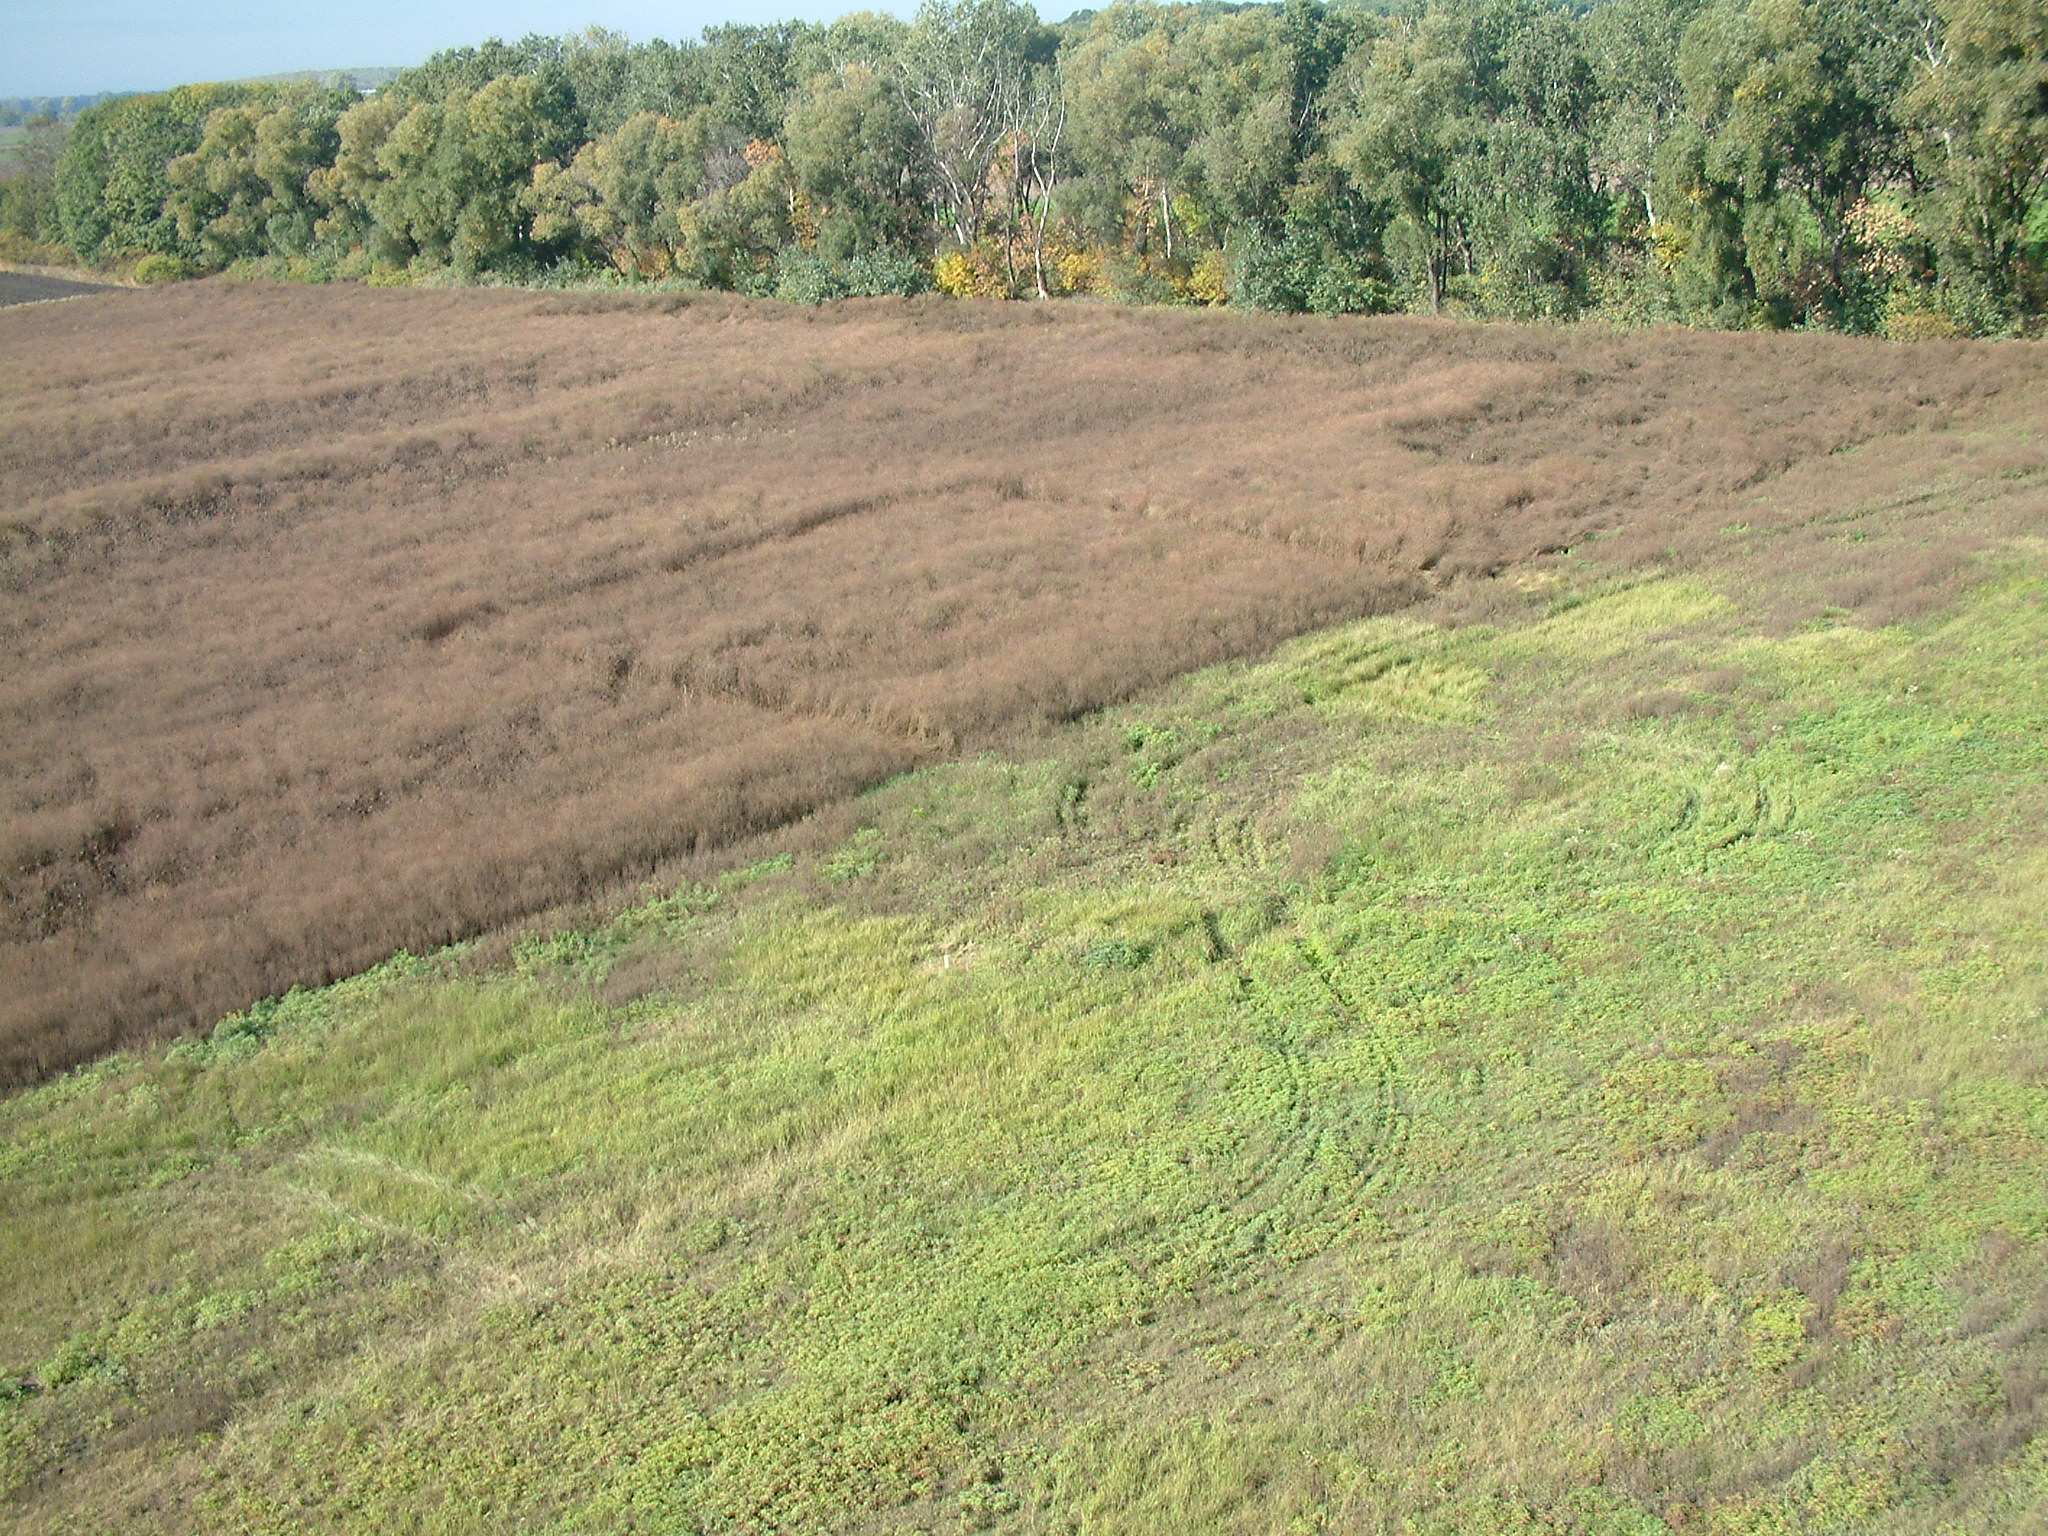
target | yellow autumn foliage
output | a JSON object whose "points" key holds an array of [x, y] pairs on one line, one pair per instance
{"points": [[975, 273]]}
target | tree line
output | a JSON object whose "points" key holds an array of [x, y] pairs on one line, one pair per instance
{"points": [[1862, 165]]}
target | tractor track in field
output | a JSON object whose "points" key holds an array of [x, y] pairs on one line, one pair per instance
{"points": [[1352, 1157], [1386, 1123]]}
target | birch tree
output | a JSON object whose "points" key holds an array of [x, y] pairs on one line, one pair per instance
{"points": [[965, 73]]}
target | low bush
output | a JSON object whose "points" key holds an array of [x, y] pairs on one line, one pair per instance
{"points": [[1300, 271], [805, 277], [975, 273], [29, 252], [159, 268]]}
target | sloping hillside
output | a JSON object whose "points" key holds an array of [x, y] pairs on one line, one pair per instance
{"points": [[1568, 1056], [344, 621]]}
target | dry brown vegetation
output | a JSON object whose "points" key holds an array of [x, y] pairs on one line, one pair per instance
{"points": [[341, 621]]}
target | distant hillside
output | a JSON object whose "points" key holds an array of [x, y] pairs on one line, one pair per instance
{"points": [[17, 110], [366, 78]]}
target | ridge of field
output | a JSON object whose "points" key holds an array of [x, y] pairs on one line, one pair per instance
{"points": [[344, 621], [1569, 1057]]}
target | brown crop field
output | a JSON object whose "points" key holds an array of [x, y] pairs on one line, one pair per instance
{"points": [[340, 621]]}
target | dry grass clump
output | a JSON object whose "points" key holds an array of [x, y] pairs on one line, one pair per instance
{"points": [[341, 621]]}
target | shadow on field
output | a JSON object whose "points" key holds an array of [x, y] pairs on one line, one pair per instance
{"points": [[34, 288]]}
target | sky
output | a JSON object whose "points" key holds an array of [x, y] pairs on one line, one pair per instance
{"points": [[76, 47]]}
